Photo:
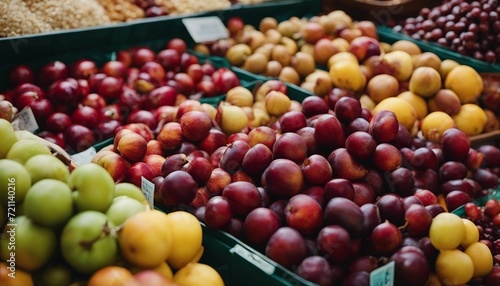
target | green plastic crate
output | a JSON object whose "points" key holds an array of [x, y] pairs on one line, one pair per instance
{"points": [[238, 263], [388, 35], [241, 265]]}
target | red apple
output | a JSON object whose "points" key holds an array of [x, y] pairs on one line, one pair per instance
{"points": [[155, 162], [155, 70], [200, 169], [242, 196], [64, 92], [316, 170], [304, 214], [160, 96], [287, 247], [137, 171], [177, 44], [173, 163], [234, 25], [58, 122], [218, 180], [224, 79], [177, 188], [143, 116], [233, 156], [42, 109], [283, 178], [21, 74], [141, 56], [107, 128], [218, 212], [132, 146], [115, 69], [83, 69], [154, 148], [79, 138], [93, 100], [290, 146], [86, 116], [259, 225], [52, 72], [170, 136], [110, 88], [116, 165], [328, 132], [170, 59]]}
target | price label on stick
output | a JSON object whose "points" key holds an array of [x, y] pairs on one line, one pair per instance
{"points": [[383, 276], [206, 29], [148, 188], [25, 120]]}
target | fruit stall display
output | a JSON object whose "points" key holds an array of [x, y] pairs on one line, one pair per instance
{"points": [[400, 76], [346, 165]]}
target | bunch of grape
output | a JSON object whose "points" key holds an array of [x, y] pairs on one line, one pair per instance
{"points": [[471, 28], [487, 220]]}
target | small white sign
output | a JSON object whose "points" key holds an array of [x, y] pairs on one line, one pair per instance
{"points": [[206, 29], [25, 120], [383, 276], [148, 188], [256, 260], [84, 157]]}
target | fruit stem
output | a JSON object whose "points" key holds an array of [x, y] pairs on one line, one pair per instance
{"points": [[87, 245], [403, 226]]}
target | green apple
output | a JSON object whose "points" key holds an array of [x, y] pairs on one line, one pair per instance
{"points": [[122, 208], [33, 245], [87, 242], [129, 190], [93, 187], [8, 136], [45, 166], [49, 203], [53, 275], [15, 181], [24, 149]]}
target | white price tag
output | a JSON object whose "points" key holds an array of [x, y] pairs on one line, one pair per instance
{"points": [[206, 29], [383, 276], [263, 265], [148, 188], [84, 157], [25, 120]]}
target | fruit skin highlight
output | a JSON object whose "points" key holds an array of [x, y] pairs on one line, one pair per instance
{"points": [[146, 238], [198, 274], [435, 124], [454, 267], [447, 231], [481, 258], [8, 137], [465, 82], [186, 237]]}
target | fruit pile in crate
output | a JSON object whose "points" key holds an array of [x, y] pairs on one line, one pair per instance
{"points": [[330, 194], [78, 104], [332, 51], [72, 224]]}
